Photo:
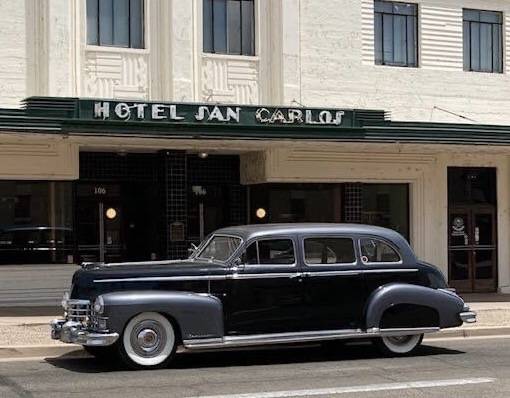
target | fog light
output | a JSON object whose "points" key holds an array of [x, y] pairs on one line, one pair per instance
{"points": [[101, 323], [98, 305]]}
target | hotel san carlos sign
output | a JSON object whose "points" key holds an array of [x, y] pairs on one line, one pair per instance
{"points": [[210, 114]]}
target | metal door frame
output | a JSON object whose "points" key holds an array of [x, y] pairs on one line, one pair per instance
{"points": [[473, 285]]}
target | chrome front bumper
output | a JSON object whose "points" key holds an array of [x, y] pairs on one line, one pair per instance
{"points": [[467, 315], [75, 332]]}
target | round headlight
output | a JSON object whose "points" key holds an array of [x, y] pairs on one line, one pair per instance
{"points": [[98, 305], [65, 299]]}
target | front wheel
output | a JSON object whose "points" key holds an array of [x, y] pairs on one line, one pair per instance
{"points": [[148, 341], [398, 345]]}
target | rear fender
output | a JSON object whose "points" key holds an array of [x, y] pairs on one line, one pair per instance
{"points": [[447, 304], [196, 315]]}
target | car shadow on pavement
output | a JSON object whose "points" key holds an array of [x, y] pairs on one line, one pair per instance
{"points": [[329, 352]]}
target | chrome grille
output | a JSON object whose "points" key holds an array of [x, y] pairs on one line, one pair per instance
{"points": [[78, 310]]}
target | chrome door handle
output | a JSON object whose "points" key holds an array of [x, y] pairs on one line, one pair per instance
{"points": [[297, 275]]}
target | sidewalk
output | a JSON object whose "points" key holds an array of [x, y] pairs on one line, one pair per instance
{"points": [[25, 336]]}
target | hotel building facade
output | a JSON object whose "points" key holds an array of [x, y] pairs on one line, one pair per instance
{"points": [[130, 129]]}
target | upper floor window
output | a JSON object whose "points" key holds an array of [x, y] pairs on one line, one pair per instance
{"points": [[483, 41], [117, 23], [396, 33], [229, 27]]}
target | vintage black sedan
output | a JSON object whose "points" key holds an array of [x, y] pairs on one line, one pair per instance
{"points": [[256, 285]]}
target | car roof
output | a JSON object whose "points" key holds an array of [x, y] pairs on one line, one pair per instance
{"points": [[260, 230], [248, 232]]}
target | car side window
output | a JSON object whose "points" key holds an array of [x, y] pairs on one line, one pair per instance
{"points": [[251, 255], [377, 251], [270, 251], [329, 250]]}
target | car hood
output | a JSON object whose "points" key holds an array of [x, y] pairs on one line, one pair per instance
{"points": [[85, 279], [151, 268]]}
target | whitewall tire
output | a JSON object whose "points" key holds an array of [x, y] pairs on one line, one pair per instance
{"points": [[148, 341], [399, 345]]}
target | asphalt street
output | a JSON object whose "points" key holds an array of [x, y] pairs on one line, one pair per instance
{"points": [[446, 368]]}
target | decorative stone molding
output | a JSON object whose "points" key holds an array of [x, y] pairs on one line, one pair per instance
{"points": [[116, 74], [230, 79]]}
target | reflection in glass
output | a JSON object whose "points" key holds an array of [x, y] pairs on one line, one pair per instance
{"points": [[36, 222], [484, 264], [459, 265]]}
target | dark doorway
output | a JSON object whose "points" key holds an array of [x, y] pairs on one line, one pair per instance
{"points": [[118, 207], [472, 229]]}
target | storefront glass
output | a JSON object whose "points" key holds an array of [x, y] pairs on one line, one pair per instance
{"points": [[36, 222], [385, 205]]}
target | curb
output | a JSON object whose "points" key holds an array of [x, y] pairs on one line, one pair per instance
{"points": [[74, 351], [471, 332]]}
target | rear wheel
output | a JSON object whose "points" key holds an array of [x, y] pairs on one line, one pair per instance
{"points": [[148, 341], [398, 345]]}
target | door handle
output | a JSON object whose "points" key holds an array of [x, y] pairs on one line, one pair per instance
{"points": [[297, 275]]}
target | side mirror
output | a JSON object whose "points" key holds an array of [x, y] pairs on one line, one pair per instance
{"points": [[192, 249]]}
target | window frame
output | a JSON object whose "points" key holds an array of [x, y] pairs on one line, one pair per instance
{"points": [[258, 265], [502, 40], [390, 244], [352, 239], [129, 47], [416, 36], [206, 241], [213, 52]]}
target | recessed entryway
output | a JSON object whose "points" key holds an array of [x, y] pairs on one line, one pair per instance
{"points": [[472, 229]]}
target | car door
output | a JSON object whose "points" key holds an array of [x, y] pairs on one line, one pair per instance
{"points": [[265, 293], [383, 263], [335, 293]]}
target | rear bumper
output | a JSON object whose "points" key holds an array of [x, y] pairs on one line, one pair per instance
{"points": [[467, 316], [76, 333]]}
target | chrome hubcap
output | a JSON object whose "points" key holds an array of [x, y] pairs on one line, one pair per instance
{"points": [[148, 338]]}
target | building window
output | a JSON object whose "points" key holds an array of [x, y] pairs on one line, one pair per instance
{"points": [[396, 33], [116, 23], [229, 27], [483, 41]]}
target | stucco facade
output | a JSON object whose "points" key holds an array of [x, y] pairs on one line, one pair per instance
{"points": [[308, 53]]}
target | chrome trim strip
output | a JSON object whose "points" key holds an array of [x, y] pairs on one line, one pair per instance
{"points": [[164, 278], [333, 273], [407, 331], [388, 270], [265, 275], [299, 337]]}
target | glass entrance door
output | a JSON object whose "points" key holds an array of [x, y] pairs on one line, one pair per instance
{"points": [[472, 248]]}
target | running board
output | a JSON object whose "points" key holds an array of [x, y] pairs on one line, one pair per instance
{"points": [[299, 337]]}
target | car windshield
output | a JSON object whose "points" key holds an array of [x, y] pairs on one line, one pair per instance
{"points": [[220, 248]]}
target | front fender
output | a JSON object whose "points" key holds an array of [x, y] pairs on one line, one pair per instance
{"points": [[196, 315], [447, 304]]}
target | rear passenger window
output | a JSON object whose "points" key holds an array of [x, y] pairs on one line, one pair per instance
{"points": [[270, 251], [376, 251], [329, 251]]}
